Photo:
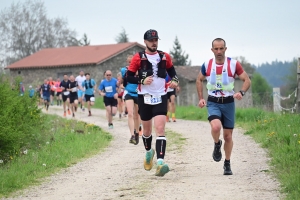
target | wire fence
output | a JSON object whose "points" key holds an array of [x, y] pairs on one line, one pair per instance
{"points": [[268, 101]]}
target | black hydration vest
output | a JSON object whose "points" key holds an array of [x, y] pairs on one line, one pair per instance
{"points": [[146, 69], [86, 84]]}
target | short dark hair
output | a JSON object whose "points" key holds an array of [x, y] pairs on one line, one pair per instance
{"points": [[87, 74], [218, 39]]}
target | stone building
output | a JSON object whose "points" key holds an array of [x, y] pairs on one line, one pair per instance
{"points": [[56, 62], [188, 94]]}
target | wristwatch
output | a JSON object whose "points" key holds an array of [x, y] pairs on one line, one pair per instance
{"points": [[242, 92]]}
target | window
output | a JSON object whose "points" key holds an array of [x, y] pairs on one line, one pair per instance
{"points": [[19, 72]]}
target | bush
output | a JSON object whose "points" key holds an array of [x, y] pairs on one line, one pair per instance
{"points": [[20, 120]]}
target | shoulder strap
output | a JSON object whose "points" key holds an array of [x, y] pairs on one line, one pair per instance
{"points": [[160, 53], [209, 66], [143, 55]]}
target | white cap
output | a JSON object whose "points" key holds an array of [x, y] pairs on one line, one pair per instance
{"points": [[30, 86]]}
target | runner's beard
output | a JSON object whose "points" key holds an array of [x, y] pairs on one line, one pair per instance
{"points": [[152, 49]]}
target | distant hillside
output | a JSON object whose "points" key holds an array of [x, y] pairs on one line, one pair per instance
{"points": [[275, 72]]}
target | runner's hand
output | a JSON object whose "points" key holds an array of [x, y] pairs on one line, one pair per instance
{"points": [[148, 80], [202, 103], [173, 84], [238, 96]]}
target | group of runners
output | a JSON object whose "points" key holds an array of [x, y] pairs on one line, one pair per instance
{"points": [[147, 87], [70, 92]]}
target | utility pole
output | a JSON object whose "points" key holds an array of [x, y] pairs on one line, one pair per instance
{"points": [[298, 88]]}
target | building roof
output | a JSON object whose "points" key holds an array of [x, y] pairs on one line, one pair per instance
{"points": [[72, 56], [189, 73]]}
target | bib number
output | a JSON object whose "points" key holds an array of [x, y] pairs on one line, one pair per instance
{"points": [[152, 100], [66, 93], [74, 89], [108, 89]]}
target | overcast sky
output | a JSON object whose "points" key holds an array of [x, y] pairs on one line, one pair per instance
{"points": [[260, 30]]}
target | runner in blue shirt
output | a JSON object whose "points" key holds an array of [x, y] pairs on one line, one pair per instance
{"points": [[108, 89], [131, 101], [45, 91], [31, 92], [89, 85]]}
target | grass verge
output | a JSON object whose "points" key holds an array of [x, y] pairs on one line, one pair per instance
{"points": [[279, 134], [191, 113], [64, 143]]}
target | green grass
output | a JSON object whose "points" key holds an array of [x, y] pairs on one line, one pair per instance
{"points": [[191, 113], [99, 103], [65, 142], [279, 134]]}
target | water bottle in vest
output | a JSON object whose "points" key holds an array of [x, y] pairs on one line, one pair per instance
{"points": [[225, 80], [213, 77]]}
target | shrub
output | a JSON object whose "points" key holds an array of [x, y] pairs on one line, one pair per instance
{"points": [[20, 120]]}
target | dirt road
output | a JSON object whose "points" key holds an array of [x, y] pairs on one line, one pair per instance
{"points": [[118, 172]]}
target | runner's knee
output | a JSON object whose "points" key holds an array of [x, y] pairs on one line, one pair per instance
{"points": [[227, 137], [216, 125]]}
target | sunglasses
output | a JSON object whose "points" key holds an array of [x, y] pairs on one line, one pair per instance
{"points": [[108, 74]]}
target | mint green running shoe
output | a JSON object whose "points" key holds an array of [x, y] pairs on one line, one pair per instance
{"points": [[148, 162], [161, 169]]}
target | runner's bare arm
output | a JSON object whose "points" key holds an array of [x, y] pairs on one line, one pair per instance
{"points": [[247, 82], [199, 85]]}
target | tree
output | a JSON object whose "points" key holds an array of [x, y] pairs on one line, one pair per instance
{"points": [[84, 41], [26, 29], [179, 57], [122, 37], [261, 91], [291, 78], [246, 65]]}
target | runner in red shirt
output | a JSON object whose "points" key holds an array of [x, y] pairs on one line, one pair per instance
{"points": [[152, 66]]}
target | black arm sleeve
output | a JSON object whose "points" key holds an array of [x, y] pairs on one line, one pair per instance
{"points": [[171, 71], [131, 78]]}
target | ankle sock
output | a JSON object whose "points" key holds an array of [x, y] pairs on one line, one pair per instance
{"points": [[227, 161]]}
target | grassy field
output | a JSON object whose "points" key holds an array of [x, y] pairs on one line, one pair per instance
{"points": [[64, 143]]}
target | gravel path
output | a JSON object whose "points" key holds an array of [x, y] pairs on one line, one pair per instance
{"points": [[117, 173]]}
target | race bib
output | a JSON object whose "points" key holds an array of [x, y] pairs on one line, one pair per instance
{"points": [[152, 100], [74, 89], [66, 93], [108, 89]]}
